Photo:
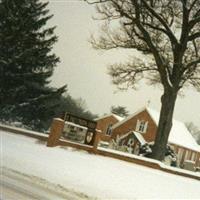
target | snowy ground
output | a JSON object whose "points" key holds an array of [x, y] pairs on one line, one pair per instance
{"points": [[79, 172], [18, 186]]}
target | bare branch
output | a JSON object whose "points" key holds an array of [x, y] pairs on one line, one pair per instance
{"points": [[195, 20], [194, 36], [155, 27], [168, 30], [193, 63], [128, 74], [96, 2], [192, 5], [149, 26]]}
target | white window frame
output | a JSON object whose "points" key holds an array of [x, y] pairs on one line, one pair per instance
{"points": [[141, 126], [131, 141], [180, 155], [193, 158], [109, 130], [187, 155]]}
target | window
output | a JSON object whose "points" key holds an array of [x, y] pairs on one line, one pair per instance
{"points": [[73, 128], [131, 141], [187, 155], [141, 126], [193, 156], [180, 155], [109, 129]]}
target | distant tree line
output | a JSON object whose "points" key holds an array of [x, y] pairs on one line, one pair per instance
{"points": [[78, 107]]}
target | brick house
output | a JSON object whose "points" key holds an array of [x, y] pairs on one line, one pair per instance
{"points": [[105, 123], [142, 126]]}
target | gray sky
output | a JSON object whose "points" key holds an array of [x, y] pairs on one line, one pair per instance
{"points": [[84, 69]]}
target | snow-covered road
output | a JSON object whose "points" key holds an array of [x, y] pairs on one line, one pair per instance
{"points": [[93, 175], [18, 186]]}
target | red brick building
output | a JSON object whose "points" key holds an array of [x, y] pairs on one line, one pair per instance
{"points": [[144, 123], [105, 124]]}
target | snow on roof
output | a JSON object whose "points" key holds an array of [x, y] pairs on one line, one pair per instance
{"points": [[179, 133], [127, 118], [125, 135], [139, 137], [111, 114], [118, 117], [75, 125]]}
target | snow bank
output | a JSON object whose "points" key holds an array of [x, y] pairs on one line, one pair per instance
{"points": [[161, 164], [93, 175], [22, 130]]}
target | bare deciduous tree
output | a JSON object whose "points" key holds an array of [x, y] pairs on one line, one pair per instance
{"points": [[168, 33]]}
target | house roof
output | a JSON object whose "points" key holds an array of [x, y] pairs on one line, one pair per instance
{"points": [[138, 135], [179, 134], [140, 138], [111, 114], [127, 118]]}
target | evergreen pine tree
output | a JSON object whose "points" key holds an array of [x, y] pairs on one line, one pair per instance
{"points": [[27, 63], [119, 110]]}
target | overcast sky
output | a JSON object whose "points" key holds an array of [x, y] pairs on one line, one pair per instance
{"points": [[84, 69]]}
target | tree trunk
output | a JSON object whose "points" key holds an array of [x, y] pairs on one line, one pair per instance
{"points": [[165, 124]]}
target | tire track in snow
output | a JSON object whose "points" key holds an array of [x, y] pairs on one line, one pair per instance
{"points": [[16, 185]]}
